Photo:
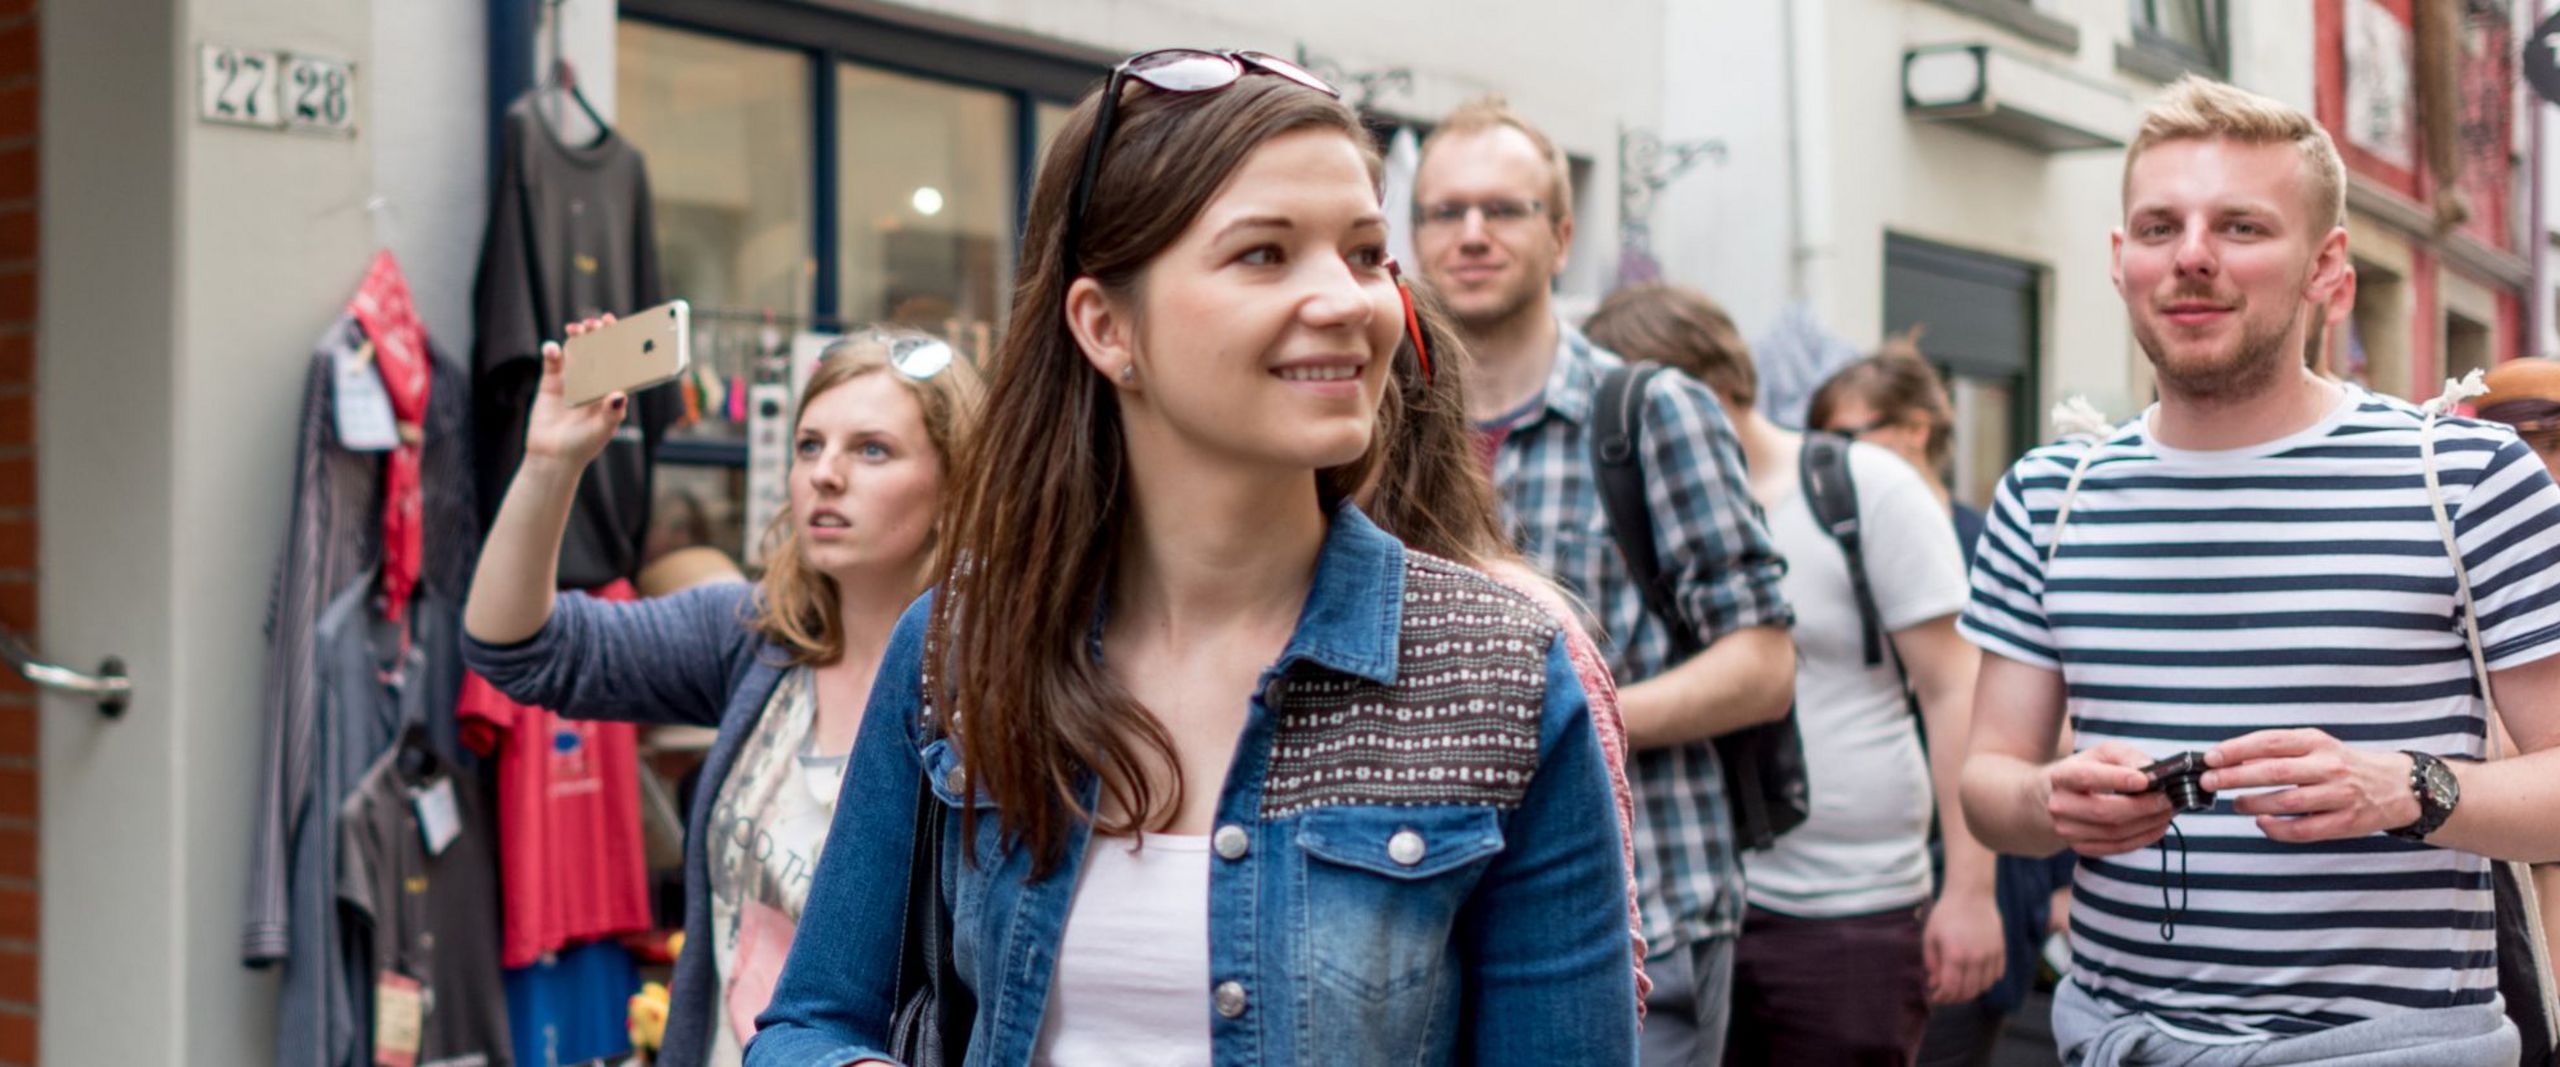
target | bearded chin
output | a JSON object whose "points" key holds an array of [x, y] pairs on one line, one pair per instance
{"points": [[2257, 360]]}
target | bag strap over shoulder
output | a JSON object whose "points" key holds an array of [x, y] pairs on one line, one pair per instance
{"points": [[1822, 469], [1617, 460], [2537, 941]]}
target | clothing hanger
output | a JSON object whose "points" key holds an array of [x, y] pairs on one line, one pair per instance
{"points": [[418, 758], [564, 78]]}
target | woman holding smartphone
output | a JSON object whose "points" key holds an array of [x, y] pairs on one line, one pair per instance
{"points": [[1223, 772], [783, 668]]}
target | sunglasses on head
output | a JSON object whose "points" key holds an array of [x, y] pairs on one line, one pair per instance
{"points": [[916, 357]]}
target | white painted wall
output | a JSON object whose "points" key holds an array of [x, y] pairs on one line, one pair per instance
{"points": [[1729, 228], [429, 135], [187, 269], [1782, 222], [113, 792]]}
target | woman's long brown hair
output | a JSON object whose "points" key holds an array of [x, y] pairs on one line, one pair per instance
{"points": [[1432, 491], [1035, 517]]}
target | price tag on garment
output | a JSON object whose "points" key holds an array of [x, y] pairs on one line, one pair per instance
{"points": [[399, 1020], [439, 820], [365, 421], [768, 462]]}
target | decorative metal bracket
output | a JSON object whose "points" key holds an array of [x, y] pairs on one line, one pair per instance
{"points": [[1360, 88], [1646, 163]]}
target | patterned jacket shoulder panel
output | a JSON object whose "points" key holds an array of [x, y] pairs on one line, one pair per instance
{"points": [[1460, 724]]}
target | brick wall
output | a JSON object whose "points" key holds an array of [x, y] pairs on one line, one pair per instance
{"points": [[20, 893]]}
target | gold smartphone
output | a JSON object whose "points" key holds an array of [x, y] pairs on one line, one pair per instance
{"points": [[628, 355]]}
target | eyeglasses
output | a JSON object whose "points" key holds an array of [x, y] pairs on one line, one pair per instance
{"points": [[1872, 426], [1497, 213], [916, 357], [1172, 70]]}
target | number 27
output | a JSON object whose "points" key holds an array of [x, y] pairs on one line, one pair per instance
{"points": [[244, 73]]}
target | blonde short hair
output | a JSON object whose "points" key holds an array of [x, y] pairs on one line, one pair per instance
{"points": [[1490, 112], [2195, 108]]}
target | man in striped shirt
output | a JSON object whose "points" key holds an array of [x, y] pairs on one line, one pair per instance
{"points": [[2252, 571]]}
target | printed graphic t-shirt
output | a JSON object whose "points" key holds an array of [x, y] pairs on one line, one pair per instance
{"points": [[572, 863], [767, 828]]}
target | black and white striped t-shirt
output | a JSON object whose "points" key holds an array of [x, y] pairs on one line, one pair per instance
{"points": [[2199, 596]]}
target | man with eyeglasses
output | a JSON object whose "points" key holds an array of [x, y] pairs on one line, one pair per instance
{"points": [[1493, 207]]}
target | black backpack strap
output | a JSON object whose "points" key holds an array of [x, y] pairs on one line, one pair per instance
{"points": [[1823, 470], [1617, 434]]}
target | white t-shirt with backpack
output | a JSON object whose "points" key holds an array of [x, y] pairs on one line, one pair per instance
{"points": [[1865, 847]]}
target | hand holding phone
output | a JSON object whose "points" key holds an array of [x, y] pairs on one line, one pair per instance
{"points": [[558, 431]]}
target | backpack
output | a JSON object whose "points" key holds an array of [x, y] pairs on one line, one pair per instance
{"points": [[1764, 772]]}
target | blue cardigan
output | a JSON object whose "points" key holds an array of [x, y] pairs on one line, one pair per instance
{"points": [[689, 659]]}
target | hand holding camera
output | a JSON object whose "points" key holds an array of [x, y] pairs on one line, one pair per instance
{"points": [[2104, 801]]}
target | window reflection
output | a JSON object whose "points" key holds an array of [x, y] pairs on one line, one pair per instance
{"points": [[725, 127], [925, 194]]}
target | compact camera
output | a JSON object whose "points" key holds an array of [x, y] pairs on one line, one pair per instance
{"points": [[2181, 778]]}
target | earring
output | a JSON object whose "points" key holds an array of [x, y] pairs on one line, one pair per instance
{"points": [[1128, 373]]}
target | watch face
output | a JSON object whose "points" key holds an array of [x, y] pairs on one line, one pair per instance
{"points": [[2442, 789]]}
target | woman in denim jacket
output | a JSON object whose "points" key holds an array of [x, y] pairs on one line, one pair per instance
{"points": [[1226, 774]]}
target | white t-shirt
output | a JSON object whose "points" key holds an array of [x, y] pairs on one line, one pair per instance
{"points": [[1132, 983], [1866, 846], [768, 825]]}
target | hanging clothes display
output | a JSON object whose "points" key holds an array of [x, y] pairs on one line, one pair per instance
{"points": [[574, 867], [343, 675], [416, 880], [569, 238]]}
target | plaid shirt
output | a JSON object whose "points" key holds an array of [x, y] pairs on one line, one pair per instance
{"points": [[1711, 537]]}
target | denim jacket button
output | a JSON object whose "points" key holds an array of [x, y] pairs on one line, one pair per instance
{"points": [[1232, 842], [1406, 848], [1230, 999], [1272, 693]]}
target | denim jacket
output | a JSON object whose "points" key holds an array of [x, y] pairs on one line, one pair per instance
{"points": [[1417, 858]]}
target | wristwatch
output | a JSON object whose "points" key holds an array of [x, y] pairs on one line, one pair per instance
{"points": [[2437, 791]]}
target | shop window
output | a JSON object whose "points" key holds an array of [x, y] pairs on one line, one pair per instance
{"points": [[2469, 345], [2377, 352], [725, 127], [801, 184], [2190, 32], [925, 188], [1047, 119], [1980, 322]]}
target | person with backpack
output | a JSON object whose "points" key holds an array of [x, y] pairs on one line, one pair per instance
{"points": [[1895, 399], [1842, 952], [1699, 642]]}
